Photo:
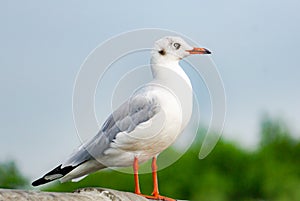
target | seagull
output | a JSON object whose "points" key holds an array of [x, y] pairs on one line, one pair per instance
{"points": [[144, 125]]}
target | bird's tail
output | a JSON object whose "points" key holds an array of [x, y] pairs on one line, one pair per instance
{"points": [[54, 174]]}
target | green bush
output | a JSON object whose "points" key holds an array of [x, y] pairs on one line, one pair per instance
{"points": [[10, 176]]}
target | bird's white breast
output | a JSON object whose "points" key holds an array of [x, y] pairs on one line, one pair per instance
{"points": [[173, 91], [150, 137]]}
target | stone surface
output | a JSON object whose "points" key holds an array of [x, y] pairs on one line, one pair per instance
{"points": [[86, 194]]}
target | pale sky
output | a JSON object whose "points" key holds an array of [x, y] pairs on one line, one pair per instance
{"points": [[255, 46]]}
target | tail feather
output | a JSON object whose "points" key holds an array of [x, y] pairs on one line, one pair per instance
{"points": [[54, 174]]}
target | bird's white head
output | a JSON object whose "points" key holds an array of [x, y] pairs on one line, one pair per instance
{"points": [[173, 48]]}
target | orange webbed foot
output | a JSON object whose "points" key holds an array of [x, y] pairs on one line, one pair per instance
{"points": [[157, 197]]}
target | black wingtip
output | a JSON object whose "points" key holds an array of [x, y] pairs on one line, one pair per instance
{"points": [[39, 182], [58, 172]]}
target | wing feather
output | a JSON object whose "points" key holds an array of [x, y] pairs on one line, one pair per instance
{"points": [[126, 118]]}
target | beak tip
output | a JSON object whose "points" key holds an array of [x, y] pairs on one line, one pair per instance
{"points": [[207, 51]]}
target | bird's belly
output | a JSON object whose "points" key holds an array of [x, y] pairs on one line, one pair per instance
{"points": [[147, 140]]}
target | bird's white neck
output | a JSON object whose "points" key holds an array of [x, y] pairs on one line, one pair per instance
{"points": [[171, 76], [169, 73]]}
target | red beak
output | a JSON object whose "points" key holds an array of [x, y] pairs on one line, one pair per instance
{"points": [[198, 50]]}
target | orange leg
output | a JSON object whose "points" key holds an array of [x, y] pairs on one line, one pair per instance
{"points": [[155, 193], [136, 176]]}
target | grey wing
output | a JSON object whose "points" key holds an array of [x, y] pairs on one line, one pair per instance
{"points": [[126, 118]]}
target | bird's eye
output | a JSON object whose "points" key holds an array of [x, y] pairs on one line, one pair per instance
{"points": [[176, 45]]}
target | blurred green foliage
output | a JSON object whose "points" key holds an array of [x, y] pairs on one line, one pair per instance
{"points": [[270, 172], [10, 176]]}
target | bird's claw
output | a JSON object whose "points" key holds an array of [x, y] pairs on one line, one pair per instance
{"points": [[157, 197]]}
